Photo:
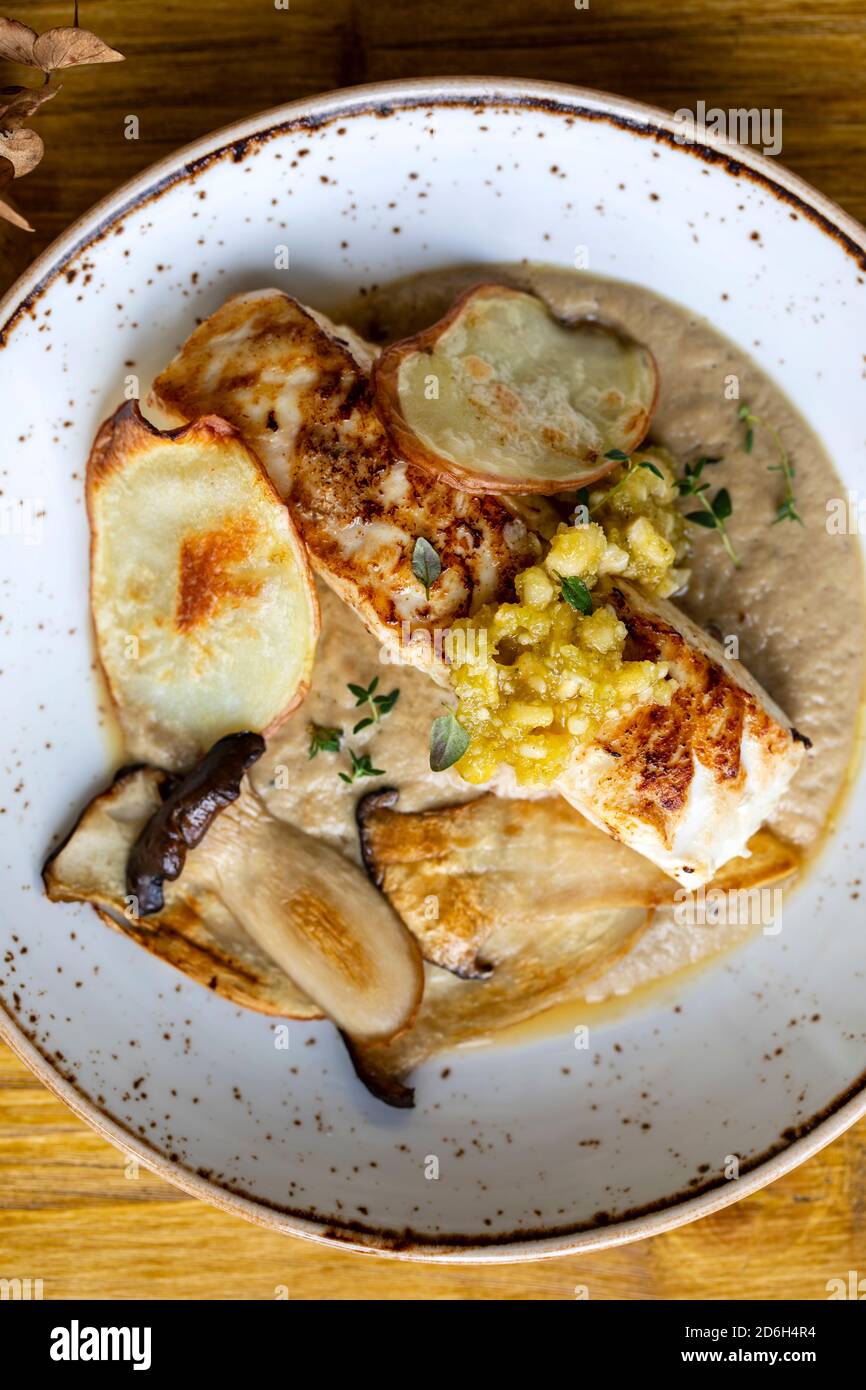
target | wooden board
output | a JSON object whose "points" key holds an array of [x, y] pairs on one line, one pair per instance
{"points": [[72, 1211]]}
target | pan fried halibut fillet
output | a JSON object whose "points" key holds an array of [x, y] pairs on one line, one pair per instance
{"points": [[631, 713], [304, 403], [688, 783]]}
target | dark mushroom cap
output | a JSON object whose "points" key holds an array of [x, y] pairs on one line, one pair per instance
{"points": [[182, 821]]}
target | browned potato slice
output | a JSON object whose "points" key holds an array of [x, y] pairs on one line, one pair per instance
{"points": [[266, 915], [195, 932], [203, 601], [457, 873], [499, 396]]}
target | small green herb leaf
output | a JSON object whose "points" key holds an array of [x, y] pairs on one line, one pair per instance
{"points": [[788, 512], [361, 767], [385, 703], [575, 593], [448, 742], [618, 455], [715, 513], [324, 739], [721, 504], [379, 705], [426, 565], [652, 468], [363, 693]]}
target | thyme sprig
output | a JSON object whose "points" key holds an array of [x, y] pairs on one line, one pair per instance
{"points": [[787, 509], [361, 767], [324, 739], [714, 512], [379, 705]]}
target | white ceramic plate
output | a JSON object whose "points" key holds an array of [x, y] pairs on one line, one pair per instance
{"points": [[541, 1148]]}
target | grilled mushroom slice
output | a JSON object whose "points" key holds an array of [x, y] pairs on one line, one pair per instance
{"points": [[533, 967], [524, 904], [499, 396], [194, 931], [317, 916], [298, 904], [203, 602], [457, 873]]}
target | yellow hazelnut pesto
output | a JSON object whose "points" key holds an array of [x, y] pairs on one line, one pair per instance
{"points": [[536, 678]]}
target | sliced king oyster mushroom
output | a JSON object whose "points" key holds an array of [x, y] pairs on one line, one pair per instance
{"points": [[302, 907], [500, 396], [523, 904], [458, 873], [194, 932], [203, 601]]}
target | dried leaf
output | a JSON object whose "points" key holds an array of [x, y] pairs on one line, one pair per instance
{"points": [[9, 213], [17, 42], [71, 48], [17, 104], [23, 148]]}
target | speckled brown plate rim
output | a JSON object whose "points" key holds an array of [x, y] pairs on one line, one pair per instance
{"points": [[235, 141]]}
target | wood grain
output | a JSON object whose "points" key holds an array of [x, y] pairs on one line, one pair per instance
{"points": [[72, 1212]]}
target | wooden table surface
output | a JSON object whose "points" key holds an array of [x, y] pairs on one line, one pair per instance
{"points": [[69, 1212]]}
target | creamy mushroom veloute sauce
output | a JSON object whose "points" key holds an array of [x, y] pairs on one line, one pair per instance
{"points": [[796, 606]]}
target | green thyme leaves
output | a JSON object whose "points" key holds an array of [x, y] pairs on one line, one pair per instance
{"points": [[379, 705], [324, 739], [714, 511], [361, 767], [787, 508]]}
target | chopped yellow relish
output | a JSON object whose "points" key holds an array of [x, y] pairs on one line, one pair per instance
{"points": [[536, 678], [637, 510]]}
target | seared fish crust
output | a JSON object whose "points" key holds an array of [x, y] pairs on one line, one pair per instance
{"points": [[687, 784]]}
